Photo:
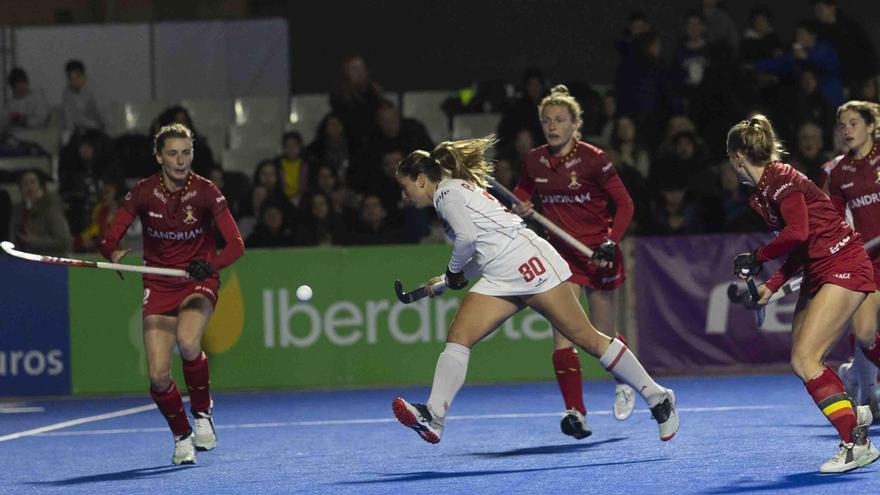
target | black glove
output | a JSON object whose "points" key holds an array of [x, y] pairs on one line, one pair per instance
{"points": [[456, 281], [200, 269], [607, 251], [746, 265]]}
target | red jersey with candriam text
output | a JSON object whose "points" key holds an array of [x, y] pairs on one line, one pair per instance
{"points": [[177, 227], [570, 189], [855, 184], [828, 234]]}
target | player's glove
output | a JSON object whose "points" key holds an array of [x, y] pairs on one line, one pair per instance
{"points": [[200, 269], [607, 251], [746, 265], [455, 281]]}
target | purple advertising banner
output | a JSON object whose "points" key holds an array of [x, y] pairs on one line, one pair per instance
{"points": [[686, 322]]}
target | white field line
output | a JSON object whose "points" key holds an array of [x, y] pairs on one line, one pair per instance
{"points": [[20, 409], [48, 431]]}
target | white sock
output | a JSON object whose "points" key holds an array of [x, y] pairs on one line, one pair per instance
{"points": [[448, 378], [622, 363]]}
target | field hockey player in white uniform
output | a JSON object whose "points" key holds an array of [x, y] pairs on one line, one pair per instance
{"points": [[517, 269]]}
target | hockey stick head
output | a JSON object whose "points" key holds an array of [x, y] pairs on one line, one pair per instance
{"points": [[760, 311], [408, 297]]}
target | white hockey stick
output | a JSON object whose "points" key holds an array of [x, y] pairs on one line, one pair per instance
{"points": [[39, 258], [795, 283], [558, 232]]}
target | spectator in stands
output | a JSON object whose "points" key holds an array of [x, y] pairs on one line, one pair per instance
{"points": [[356, 100], [102, 216], [79, 104], [867, 90], [38, 224], [394, 133], [268, 175], [607, 117], [27, 109], [809, 52], [82, 168], [372, 227], [383, 184], [858, 57], [685, 162], [642, 87], [760, 41], [674, 213], [522, 111], [203, 158], [320, 226], [809, 155], [330, 146], [637, 24], [343, 201], [625, 150], [293, 166], [809, 105], [251, 210], [720, 27], [694, 57], [273, 229], [235, 188]]}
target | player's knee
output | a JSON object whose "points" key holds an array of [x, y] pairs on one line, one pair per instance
{"points": [[189, 348], [160, 382], [865, 331]]}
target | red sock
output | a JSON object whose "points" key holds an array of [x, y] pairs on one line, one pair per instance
{"points": [[830, 395], [873, 354], [171, 406], [568, 375], [195, 374]]}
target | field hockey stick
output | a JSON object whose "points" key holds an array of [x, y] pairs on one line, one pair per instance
{"points": [[794, 284], [54, 260], [420, 293], [760, 310], [558, 232]]}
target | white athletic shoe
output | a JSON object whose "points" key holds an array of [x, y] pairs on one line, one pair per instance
{"points": [[666, 416], [205, 434], [624, 401], [574, 424], [419, 418], [860, 452], [184, 449]]}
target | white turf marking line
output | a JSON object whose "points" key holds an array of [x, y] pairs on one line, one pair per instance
{"points": [[336, 422], [21, 409], [78, 421]]}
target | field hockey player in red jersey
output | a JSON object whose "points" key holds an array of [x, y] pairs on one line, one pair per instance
{"points": [[178, 210], [837, 277], [578, 186]]}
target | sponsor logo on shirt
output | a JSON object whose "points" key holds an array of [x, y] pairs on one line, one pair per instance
{"points": [[128, 196], [159, 195], [573, 162], [175, 236], [188, 195], [574, 184], [154, 214], [843, 242], [549, 199], [781, 188], [865, 200], [847, 185], [220, 199], [607, 167], [843, 276], [190, 215], [542, 180], [847, 168]]}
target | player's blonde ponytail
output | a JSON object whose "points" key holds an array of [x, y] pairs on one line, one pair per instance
{"points": [[466, 159], [756, 139]]}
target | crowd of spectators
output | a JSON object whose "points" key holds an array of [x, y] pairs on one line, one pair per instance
{"points": [[662, 123]]}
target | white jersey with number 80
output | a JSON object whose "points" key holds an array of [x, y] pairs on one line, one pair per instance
{"points": [[491, 241]]}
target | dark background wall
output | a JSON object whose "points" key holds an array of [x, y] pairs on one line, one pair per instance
{"points": [[444, 44]]}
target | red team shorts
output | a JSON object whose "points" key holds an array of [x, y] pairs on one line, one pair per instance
{"points": [[850, 268], [587, 274], [161, 297]]}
